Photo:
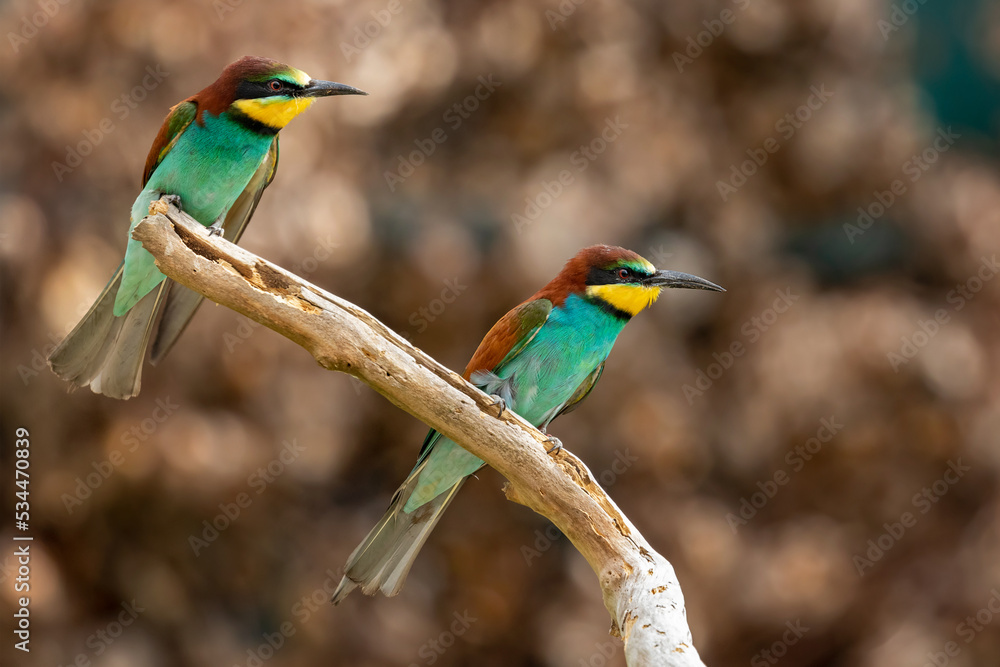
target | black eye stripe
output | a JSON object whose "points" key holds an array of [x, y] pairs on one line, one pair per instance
{"points": [[249, 90], [598, 276]]}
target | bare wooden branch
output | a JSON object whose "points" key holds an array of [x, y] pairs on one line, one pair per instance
{"points": [[640, 588]]}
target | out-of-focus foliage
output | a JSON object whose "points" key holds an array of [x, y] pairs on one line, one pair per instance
{"points": [[438, 219]]}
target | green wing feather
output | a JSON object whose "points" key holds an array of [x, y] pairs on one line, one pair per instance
{"points": [[502, 344], [532, 316], [509, 336], [582, 391], [173, 127]]}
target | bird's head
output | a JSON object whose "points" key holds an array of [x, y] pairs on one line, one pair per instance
{"points": [[620, 280], [268, 92]]}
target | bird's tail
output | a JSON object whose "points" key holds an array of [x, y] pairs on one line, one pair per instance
{"points": [[383, 559], [104, 351]]}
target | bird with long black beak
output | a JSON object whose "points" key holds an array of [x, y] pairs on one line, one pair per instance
{"points": [[215, 154], [541, 360]]}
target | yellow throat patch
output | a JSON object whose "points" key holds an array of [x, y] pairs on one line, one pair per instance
{"points": [[627, 298], [273, 112], [276, 112]]}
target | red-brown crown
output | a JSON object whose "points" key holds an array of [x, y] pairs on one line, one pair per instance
{"points": [[217, 97], [573, 277]]}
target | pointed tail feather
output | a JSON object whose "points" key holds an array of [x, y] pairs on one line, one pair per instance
{"points": [[383, 559], [104, 351], [179, 306]]}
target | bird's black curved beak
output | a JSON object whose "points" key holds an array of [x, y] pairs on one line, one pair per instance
{"points": [[317, 88], [681, 280]]}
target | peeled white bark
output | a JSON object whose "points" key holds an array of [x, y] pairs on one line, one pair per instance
{"points": [[640, 588]]}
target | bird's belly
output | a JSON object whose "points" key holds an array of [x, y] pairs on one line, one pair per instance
{"points": [[560, 360], [209, 172]]}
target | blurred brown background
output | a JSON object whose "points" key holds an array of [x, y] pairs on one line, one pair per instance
{"points": [[829, 396]]}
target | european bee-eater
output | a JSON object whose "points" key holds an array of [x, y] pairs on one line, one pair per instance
{"points": [[541, 359], [217, 151]]}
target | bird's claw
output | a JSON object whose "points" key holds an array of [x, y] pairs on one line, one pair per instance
{"points": [[173, 200], [215, 229], [500, 403], [556, 444]]}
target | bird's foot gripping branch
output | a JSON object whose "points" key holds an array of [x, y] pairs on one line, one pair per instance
{"points": [[639, 586]]}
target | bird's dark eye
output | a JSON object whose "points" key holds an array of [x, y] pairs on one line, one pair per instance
{"points": [[624, 274], [274, 85]]}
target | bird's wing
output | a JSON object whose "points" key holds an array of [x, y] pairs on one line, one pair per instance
{"points": [[181, 303], [241, 212], [581, 392], [509, 336], [502, 343], [173, 127]]}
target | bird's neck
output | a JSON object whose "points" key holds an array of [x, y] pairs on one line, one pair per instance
{"points": [[623, 300], [268, 116], [587, 311], [584, 331], [236, 119]]}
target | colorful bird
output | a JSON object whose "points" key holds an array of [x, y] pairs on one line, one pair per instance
{"points": [[541, 359], [215, 153]]}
